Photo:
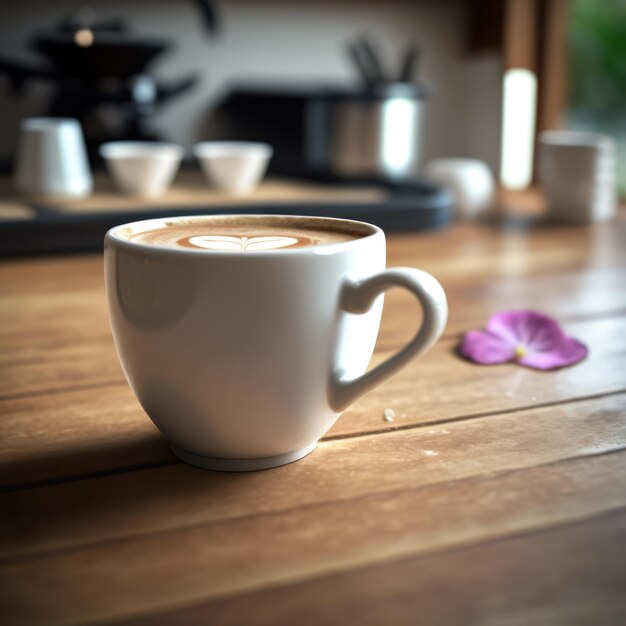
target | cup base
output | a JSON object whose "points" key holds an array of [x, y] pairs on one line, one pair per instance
{"points": [[241, 465]]}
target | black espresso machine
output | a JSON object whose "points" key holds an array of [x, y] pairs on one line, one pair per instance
{"points": [[373, 130], [327, 132]]}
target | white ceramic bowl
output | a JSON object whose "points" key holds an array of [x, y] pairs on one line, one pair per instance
{"points": [[470, 181], [234, 167], [142, 168]]}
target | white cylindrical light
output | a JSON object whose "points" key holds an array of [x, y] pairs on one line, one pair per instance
{"points": [[518, 128]]}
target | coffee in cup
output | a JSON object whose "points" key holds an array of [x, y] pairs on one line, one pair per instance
{"points": [[233, 233]]}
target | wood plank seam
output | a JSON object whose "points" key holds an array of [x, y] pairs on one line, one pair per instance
{"points": [[36, 484], [530, 533], [7, 561], [204, 589], [470, 416], [567, 319], [380, 348], [72, 478], [57, 390]]}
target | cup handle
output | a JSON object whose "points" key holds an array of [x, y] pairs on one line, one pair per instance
{"points": [[358, 297]]}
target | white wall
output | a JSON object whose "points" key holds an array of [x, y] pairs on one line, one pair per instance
{"points": [[297, 41]]}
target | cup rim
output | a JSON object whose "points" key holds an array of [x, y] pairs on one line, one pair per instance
{"points": [[140, 149], [318, 249], [574, 139], [219, 149], [42, 123]]}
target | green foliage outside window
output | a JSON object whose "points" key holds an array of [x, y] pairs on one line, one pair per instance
{"points": [[597, 72]]}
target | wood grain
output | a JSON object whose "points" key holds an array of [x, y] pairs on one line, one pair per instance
{"points": [[104, 429], [70, 434], [563, 576], [69, 312], [187, 565], [68, 329], [496, 496], [442, 387], [157, 499], [54, 331]]}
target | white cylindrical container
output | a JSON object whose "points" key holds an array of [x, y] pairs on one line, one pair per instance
{"points": [[52, 159], [577, 173]]}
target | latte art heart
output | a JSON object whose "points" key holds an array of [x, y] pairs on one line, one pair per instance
{"points": [[241, 244]]}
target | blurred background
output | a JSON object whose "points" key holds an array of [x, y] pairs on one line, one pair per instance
{"points": [[343, 87], [280, 43], [596, 96]]}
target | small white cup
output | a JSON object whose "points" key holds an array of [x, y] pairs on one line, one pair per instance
{"points": [[142, 168], [470, 181], [234, 167], [577, 173], [52, 159]]}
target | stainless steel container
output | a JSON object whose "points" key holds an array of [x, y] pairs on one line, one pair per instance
{"points": [[377, 133]]}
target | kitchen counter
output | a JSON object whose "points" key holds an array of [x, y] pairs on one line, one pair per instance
{"points": [[496, 495]]}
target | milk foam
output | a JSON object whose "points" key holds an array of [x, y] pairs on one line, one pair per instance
{"points": [[244, 235]]}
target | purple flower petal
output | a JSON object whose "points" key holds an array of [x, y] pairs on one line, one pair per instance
{"points": [[485, 348], [532, 330], [528, 337], [568, 352]]}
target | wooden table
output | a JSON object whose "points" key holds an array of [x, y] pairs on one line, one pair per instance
{"points": [[497, 495]]}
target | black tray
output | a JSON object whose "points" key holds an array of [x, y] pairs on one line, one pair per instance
{"points": [[408, 206]]}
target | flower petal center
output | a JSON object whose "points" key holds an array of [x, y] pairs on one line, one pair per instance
{"points": [[520, 351]]}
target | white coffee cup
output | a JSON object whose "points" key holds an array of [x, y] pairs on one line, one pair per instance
{"points": [[470, 181], [577, 173], [234, 167], [142, 168], [244, 359], [52, 159]]}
